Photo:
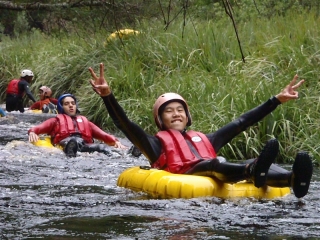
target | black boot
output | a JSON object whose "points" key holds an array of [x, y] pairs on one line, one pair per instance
{"points": [[301, 174], [107, 152], [71, 148], [258, 169], [134, 151]]}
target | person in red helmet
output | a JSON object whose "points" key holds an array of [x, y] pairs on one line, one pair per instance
{"points": [[46, 103], [17, 89], [74, 132], [177, 150]]}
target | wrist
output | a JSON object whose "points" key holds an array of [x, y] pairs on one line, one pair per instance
{"points": [[276, 99], [105, 94]]}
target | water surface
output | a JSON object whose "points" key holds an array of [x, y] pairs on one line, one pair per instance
{"points": [[45, 195]]}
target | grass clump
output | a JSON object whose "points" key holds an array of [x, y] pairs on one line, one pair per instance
{"points": [[204, 66]]}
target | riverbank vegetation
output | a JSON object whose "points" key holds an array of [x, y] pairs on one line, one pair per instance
{"points": [[197, 57]]}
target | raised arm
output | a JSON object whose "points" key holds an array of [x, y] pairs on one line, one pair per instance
{"points": [[149, 145], [225, 134]]}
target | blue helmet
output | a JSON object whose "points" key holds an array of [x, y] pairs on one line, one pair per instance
{"points": [[59, 105]]}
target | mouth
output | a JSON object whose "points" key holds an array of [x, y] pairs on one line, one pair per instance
{"points": [[176, 120]]}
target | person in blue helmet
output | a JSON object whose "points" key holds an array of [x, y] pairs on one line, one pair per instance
{"points": [[74, 132]]}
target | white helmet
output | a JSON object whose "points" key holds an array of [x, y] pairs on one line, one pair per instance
{"points": [[26, 72]]}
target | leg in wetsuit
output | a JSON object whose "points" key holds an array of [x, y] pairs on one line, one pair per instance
{"points": [[222, 170], [277, 176], [84, 147], [98, 147], [14, 103], [231, 172], [256, 170], [299, 178]]}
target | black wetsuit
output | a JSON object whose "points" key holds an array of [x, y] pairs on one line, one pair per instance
{"points": [[14, 102], [151, 146], [82, 146]]}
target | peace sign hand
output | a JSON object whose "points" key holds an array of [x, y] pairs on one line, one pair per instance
{"points": [[289, 92], [99, 84]]}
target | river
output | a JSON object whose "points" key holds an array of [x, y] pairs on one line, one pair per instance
{"points": [[44, 195]]}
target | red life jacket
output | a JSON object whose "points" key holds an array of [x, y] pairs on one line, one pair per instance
{"points": [[46, 101], [177, 156], [66, 127], [13, 87]]}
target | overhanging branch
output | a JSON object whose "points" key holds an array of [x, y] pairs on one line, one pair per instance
{"points": [[50, 6], [228, 9]]}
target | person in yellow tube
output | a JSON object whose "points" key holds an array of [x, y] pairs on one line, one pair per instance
{"points": [[74, 132], [46, 103], [178, 150]]}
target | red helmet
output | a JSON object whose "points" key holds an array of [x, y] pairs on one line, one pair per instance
{"points": [[163, 100], [46, 91]]}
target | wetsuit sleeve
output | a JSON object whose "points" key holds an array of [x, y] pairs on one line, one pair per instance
{"points": [[149, 145], [27, 90], [225, 134], [99, 134], [36, 105], [46, 127]]}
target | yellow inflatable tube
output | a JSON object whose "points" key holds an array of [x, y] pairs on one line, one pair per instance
{"points": [[165, 185], [36, 111], [45, 142], [122, 33]]}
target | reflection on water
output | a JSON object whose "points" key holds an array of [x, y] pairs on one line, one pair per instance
{"points": [[43, 194], [109, 226]]}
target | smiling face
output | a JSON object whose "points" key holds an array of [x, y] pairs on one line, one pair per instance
{"points": [[69, 106], [174, 116], [41, 94]]}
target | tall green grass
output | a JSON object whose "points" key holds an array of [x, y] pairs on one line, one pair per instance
{"points": [[204, 66]]}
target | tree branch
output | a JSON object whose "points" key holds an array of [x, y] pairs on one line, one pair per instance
{"points": [[228, 9], [48, 6]]}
